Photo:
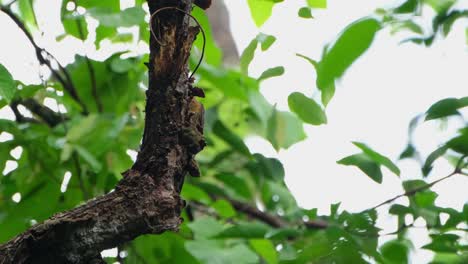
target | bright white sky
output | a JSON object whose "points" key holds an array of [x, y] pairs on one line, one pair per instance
{"points": [[374, 101]]}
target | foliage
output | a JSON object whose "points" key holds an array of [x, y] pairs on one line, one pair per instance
{"points": [[91, 141]]}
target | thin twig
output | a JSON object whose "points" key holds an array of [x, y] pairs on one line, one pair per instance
{"points": [[66, 82], [424, 187]]}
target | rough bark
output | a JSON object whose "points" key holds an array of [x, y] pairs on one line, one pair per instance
{"points": [[147, 200]]}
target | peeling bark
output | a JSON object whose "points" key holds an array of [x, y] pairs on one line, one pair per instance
{"points": [[147, 200]]}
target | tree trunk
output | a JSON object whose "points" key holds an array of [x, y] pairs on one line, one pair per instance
{"points": [[147, 200]]}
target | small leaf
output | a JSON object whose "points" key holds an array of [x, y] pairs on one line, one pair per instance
{"points": [[305, 12], [439, 152], [76, 26], [365, 164], [247, 56], [27, 12], [224, 208], [7, 84], [260, 10], [317, 3], [377, 157], [446, 107], [205, 227], [89, 158], [350, 45], [407, 7], [395, 251], [265, 249], [307, 109], [328, 92], [284, 129], [272, 72], [460, 143], [265, 41], [220, 130], [213, 252], [245, 230]]}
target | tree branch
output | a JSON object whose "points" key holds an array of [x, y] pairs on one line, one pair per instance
{"points": [[49, 116], [66, 81]]}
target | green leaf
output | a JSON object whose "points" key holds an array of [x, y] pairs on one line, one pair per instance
{"points": [[270, 168], [439, 152], [76, 26], [220, 130], [247, 56], [307, 109], [317, 3], [447, 243], [446, 107], [305, 12], [365, 164], [350, 45], [245, 230], [460, 143], [408, 6], [193, 193], [272, 72], [27, 12], [395, 252], [224, 208], [265, 41], [126, 18], [327, 92], [425, 199], [409, 152], [213, 252], [235, 183], [260, 10], [112, 5], [205, 227], [440, 6], [378, 158], [284, 129], [7, 84], [265, 249], [89, 158]]}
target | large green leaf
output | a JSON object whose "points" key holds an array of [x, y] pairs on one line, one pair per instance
{"points": [[350, 45], [378, 158], [284, 129], [317, 3], [213, 252], [266, 249], [7, 84], [261, 10], [395, 252], [220, 130], [365, 164], [27, 12], [307, 109], [446, 107]]}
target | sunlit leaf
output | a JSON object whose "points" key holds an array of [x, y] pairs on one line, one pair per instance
{"points": [[377, 157], [317, 3], [365, 164], [272, 72], [307, 109], [305, 12], [7, 84], [349, 46]]}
